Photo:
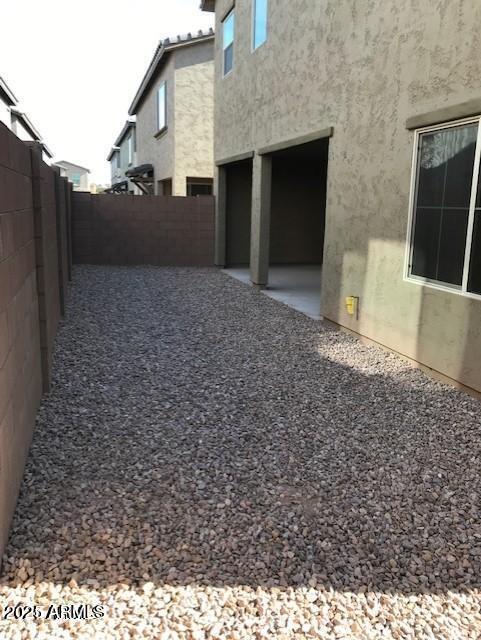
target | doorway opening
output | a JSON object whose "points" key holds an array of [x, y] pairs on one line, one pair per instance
{"points": [[238, 213], [297, 226]]}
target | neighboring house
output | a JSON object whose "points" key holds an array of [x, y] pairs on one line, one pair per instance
{"points": [[174, 107], [122, 157], [350, 138], [18, 121], [78, 176]]}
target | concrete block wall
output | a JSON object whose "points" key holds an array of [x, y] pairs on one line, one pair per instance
{"points": [[156, 230], [28, 274], [61, 192]]}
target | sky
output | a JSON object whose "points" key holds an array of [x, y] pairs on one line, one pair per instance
{"points": [[75, 66]]}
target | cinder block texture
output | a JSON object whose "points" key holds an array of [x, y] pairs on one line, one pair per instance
{"points": [[157, 230], [32, 230], [20, 361], [62, 248], [46, 243]]}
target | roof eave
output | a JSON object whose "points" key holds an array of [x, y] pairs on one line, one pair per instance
{"points": [[130, 124], [26, 124], [166, 46], [111, 154], [59, 163], [6, 94], [207, 5]]}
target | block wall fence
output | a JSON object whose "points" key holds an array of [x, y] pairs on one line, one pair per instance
{"points": [[44, 227], [156, 230], [34, 272]]}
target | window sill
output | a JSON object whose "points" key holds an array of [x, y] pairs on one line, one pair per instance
{"points": [[160, 133], [440, 287]]}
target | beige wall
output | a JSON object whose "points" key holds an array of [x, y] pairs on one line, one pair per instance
{"points": [[194, 105], [362, 68], [159, 151], [186, 148]]}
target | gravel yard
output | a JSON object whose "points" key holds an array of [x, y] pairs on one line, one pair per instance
{"points": [[213, 464]]}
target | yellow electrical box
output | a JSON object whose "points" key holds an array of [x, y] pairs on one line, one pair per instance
{"points": [[352, 305]]}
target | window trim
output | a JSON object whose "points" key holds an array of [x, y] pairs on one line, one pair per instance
{"points": [[161, 129], [130, 148], [426, 282], [227, 16], [253, 34]]}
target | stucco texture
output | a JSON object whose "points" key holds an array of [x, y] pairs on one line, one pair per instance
{"points": [[363, 68], [158, 151], [185, 149], [194, 107]]}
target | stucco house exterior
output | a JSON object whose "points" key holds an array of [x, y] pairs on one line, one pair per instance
{"points": [[122, 157], [78, 175], [349, 137], [18, 121], [174, 109]]}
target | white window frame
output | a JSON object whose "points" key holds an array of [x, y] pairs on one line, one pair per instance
{"points": [[160, 127], [130, 146], [426, 282], [254, 15], [229, 15]]}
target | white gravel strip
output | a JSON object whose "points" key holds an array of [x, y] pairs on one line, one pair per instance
{"points": [[213, 464]]}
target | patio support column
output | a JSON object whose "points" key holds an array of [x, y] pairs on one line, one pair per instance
{"points": [[220, 190], [261, 219]]}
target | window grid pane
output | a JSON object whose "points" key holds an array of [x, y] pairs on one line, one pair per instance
{"points": [[161, 113], [260, 22], [228, 42], [446, 161]]}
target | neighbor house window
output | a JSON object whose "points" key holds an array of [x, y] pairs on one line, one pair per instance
{"points": [[200, 186], [130, 144], [162, 107], [228, 27], [259, 35], [445, 230]]}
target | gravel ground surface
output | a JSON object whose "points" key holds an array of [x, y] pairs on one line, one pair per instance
{"points": [[212, 464]]}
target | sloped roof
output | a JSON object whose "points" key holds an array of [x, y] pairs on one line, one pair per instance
{"points": [[164, 47], [6, 94], [65, 164], [26, 123], [130, 124], [207, 5]]}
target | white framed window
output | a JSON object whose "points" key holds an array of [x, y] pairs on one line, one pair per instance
{"points": [[162, 106], [130, 147], [228, 28], [259, 23], [444, 230]]}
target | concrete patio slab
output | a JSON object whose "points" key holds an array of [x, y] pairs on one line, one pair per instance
{"points": [[298, 286]]}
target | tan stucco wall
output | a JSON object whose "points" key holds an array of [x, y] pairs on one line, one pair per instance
{"points": [[186, 148], [363, 68], [194, 124], [160, 152]]}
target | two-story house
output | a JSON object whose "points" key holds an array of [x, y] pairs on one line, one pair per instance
{"points": [[76, 174], [348, 141], [122, 158], [18, 121], [174, 109]]}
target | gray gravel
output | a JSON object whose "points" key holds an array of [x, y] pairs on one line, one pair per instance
{"points": [[213, 464]]}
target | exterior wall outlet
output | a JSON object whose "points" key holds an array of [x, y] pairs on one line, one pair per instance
{"points": [[352, 306]]}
